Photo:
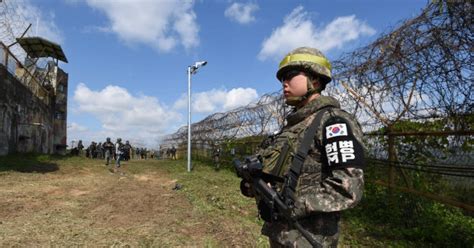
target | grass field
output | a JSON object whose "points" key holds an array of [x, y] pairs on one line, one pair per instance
{"points": [[76, 202], [53, 201]]}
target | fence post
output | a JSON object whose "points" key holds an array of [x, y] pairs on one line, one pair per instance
{"points": [[391, 168]]}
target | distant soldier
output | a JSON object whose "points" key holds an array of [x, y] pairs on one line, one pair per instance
{"points": [[173, 153], [143, 153], [119, 153], [96, 150], [80, 146], [109, 150], [137, 153], [216, 157], [127, 149], [100, 151], [92, 150]]}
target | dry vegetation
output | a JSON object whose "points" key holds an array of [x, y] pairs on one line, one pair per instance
{"points": [[78, 202]]}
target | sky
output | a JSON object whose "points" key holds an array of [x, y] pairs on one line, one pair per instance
{"points": [[128, 59]]}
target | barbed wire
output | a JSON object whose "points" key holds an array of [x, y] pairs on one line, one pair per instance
{"points": [[424, 67], [13, 23], [421, 70], [263, 117]]}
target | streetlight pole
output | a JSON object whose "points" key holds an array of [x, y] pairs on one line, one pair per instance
{"points": [[189, 118], [191, 70]]}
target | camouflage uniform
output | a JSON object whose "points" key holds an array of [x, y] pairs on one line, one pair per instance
{"points": [[331, 177], [108, 146], [323, 188]]}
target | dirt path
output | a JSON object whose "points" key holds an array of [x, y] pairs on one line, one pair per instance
{"points": [[92, 207]]}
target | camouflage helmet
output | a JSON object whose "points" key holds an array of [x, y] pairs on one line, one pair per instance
{"points": [[306, 59]]}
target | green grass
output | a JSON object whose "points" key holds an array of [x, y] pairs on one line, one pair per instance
{"points": [[217, 194], [215, 199]]}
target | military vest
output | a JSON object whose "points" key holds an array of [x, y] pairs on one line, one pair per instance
{"points": [[292, 135]]}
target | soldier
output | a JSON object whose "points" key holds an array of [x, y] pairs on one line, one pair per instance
{"points": [[330, 178], [137, 153], [91, 150], [143, 153], [127, 148], [216, 157], [109, 150], [80, 146], [173, 153], [100, 151], [119, 153]]}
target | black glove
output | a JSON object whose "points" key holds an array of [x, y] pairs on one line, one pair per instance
{"points": [[246, 188]]}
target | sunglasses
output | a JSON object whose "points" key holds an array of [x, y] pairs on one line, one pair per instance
{"points": [[289, 75]]}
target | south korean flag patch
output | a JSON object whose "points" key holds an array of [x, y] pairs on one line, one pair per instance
{"points": [[340, 148], [336, 130]]}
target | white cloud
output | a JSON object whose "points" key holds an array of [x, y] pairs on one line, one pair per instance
{"points": [[74, 127], [160, 24], [142, 119], [241, 13], [298, 30], [124, 115], [218, 100]]}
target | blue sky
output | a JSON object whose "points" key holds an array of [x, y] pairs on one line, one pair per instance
{"points": [[128, 59]]}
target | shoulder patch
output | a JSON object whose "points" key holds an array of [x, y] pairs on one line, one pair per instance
{"points": [[340, 148], [335, 130]]}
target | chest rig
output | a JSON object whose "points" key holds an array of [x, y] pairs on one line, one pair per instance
{"points": [[285, 147]]}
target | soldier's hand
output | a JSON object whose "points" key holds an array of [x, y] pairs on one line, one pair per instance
{"points": [[299, 210], [246, 188]]}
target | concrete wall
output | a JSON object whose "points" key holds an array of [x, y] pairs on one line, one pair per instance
{"points": [[60, 84], [26, 122]]}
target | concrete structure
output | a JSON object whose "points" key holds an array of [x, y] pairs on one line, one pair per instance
{"points": [[33, 100]]}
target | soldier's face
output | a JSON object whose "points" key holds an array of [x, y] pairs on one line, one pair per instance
{"points": [[294, 84]]}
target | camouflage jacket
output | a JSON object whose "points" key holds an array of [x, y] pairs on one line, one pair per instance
{"points": [[108, 146], [332, 177]]}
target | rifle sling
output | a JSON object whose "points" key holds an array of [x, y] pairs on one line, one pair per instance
{"points": [[300, 156]]}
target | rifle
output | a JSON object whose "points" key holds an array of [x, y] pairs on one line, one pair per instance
{"points": [[251, 171]]}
